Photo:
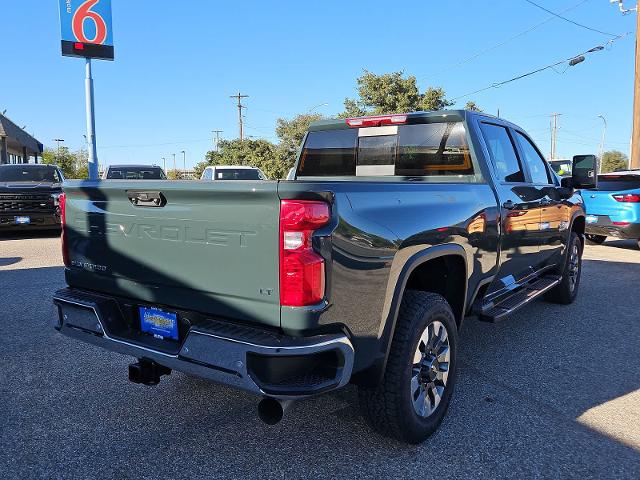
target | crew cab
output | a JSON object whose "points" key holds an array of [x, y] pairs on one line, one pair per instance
{"points": [[29, 197], [395, 231]]}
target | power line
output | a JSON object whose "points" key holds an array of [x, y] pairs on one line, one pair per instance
{"points": [[568, 20], [541, 69], [500, 44]]}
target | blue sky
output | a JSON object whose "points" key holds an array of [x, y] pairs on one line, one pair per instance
{"points": [[178, 62]]}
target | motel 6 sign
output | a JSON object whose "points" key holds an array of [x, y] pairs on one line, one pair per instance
{"points": [[86, 29]]}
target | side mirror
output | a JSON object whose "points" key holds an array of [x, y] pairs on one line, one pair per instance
{"points": [[585, 171]]}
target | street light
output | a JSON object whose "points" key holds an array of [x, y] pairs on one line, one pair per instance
{"points": [[174, 162], [604, 132], [184, 163], [164, 164], [317, 106], [58, 140]]}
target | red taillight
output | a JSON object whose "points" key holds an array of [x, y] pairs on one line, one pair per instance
{"points": [[301, 269], [62, 201], [628, 198], [376, 121]]}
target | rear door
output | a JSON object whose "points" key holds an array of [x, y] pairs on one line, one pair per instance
{"points": [[520, 208], [206, 246]]}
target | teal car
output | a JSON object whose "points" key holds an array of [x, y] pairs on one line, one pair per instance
{"points": [[613, 208]]}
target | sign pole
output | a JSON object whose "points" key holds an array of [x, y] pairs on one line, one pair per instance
{"points": [[91, 122]]}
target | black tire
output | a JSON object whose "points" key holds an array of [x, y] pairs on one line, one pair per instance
{"points": [[595, 239], [567, 290], [389, 407]]}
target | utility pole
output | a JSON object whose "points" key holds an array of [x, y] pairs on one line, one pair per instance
{"points": [[635, 143], [634, 160], [174, 163], [184, 164], [164, 165], [217, 139], [239, 97], [554, 135]]}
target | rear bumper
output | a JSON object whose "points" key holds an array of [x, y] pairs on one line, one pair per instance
{"points": [[606, 228], [247, 358]]}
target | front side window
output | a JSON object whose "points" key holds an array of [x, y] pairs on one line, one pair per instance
{"points": [[535, 162], [502, 152]]}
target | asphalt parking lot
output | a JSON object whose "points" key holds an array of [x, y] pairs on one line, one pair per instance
{"points": [[553, 392]]}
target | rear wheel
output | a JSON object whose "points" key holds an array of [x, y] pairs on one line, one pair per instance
{"points": [[414, 394], [567, 290], [595, 239]]}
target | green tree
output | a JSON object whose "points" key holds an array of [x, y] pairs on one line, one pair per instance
{"points": [[199, 168], [290, 133], [61, 157], [614, 160], [434, 99], [82, 164], [255, 153], [173, 175], [392, 93], [473, 106]]}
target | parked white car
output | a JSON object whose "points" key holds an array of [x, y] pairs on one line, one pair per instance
{"points": [[232, 172]]}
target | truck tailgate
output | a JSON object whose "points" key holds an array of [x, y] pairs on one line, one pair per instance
{"points": [[213, 247]]}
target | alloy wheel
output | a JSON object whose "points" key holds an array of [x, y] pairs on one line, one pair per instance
{"points": [[430, 369], [574, 267]]}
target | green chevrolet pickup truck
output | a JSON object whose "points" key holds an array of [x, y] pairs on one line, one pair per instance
{"points": [[362, 269]]}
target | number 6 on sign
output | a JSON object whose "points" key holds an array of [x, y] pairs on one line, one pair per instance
{"points": [[78, 22], [85, 27]]}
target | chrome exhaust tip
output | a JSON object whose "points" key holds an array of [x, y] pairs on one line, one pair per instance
{"points": [[271, 411]]}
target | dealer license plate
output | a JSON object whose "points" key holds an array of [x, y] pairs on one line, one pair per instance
{"points": [[22, 220], [159, 323]]}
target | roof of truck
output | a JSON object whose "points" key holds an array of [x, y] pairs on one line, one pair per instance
{"points": [[235, 167], [458, 115], [135, 165]]}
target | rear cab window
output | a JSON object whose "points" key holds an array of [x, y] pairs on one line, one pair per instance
{"points": [[135, 173], [427, 151]]}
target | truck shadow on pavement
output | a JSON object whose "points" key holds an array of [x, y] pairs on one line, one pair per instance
{"points": [[522, 385]]}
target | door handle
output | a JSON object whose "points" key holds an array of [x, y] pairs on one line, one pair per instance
{"points": [[509, 205]]}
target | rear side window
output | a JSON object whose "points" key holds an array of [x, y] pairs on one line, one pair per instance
{"points": [[502, 153], [425, 150]]}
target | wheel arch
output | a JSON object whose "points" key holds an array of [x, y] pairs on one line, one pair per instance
{"points": [[449, 258]]}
